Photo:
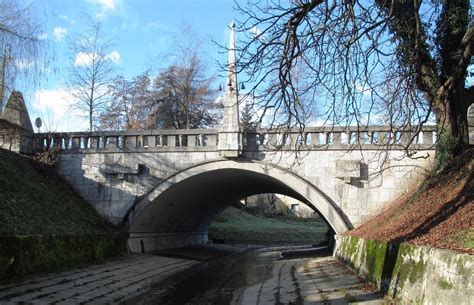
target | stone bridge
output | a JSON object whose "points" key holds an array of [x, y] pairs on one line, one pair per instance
{"points": [[166, 186]]}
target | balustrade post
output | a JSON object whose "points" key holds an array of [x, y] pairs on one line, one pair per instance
{"points": [[57, 142], [121, 142], [171, 140], [427, 137], [250, 139], [94, 142], [191, 140], [211, 140], [382, 137], [75, 143], [130, 141], [314, 138], [337, 138], [64, 142], [111, 142], [151, 141]]}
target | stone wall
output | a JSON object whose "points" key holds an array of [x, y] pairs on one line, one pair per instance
{"points": [[354, 180], [410, 274], [27, 254], [15, 138], [358, 172], [112, 182]]}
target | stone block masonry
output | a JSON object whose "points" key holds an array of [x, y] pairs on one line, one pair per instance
{"points": [[410, 274], [124, 179]]}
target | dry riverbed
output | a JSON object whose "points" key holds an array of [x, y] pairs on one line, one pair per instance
{"points": [[221, 274]]}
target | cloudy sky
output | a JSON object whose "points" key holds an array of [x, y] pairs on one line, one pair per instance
{"points": [[140, 30]]}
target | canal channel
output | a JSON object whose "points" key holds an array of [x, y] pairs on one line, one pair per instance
{"points": [[263, 275]]}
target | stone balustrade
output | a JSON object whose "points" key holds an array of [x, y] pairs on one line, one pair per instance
{"points": [[312, 138], [337, 138], [142, 140]]}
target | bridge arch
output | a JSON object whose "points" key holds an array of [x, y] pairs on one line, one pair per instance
{"points": [[179, 209]]}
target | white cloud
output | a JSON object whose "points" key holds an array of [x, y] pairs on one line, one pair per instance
{"points": [[152, 26], [24, 64], [113, 56], [84, 59], [43, 36], [68, 19], [106, 5], [59, 33], [54, 108], [100, 16], [56, 100]]}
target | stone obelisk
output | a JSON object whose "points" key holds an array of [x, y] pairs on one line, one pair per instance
{"points": [[230, 140]]}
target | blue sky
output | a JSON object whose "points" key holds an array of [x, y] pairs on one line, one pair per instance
{"points": [[141, 31]]}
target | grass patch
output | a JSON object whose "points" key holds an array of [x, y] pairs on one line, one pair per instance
{"points": [[44, 224], [234, 225], [36, 200]]}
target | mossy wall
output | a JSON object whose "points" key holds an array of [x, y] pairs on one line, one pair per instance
{"points": [[410, 274], [21, 255]]}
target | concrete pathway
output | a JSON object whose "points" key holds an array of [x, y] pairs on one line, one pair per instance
{"points": [[308, 281], [112, 282]]}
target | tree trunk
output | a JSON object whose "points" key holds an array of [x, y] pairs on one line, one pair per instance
{"points": [[90, 118], [451, 117]]}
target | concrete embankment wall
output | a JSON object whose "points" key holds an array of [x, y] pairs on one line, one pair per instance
{"points": [[26, 254], [410, 274]]}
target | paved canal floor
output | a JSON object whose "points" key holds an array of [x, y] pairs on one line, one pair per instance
{"points": [[108, 283], [257, 276], [262, 276]]}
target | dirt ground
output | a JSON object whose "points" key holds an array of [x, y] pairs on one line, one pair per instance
{"points": [[440, 213]]}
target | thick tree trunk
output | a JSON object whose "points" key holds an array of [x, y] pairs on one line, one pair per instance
{"points": [[452, 116]]}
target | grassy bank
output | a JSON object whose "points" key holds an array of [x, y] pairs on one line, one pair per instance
{"points": [[44, 224], [234, 225], [36, 200]]}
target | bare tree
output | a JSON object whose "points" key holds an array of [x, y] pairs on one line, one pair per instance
{"points": [[247, 117], [184, 95], [365, 62], [22, 52], [90, 72], [184, 99], [131, 104]]}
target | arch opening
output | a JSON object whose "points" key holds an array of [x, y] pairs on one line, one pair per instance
{"points": [[178, 211]]}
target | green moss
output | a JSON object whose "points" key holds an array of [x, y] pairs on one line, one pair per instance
{"points": [[375, 259], [21, 255], [350, 246], [406, 268], [448, 147], [417, 271], [445, 284]]}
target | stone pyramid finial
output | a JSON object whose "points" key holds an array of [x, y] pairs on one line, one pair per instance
{"points": [[16, 112]]}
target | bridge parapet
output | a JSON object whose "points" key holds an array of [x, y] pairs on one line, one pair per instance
{"points": [[130, 141], [311, 138], [340, 138]]}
